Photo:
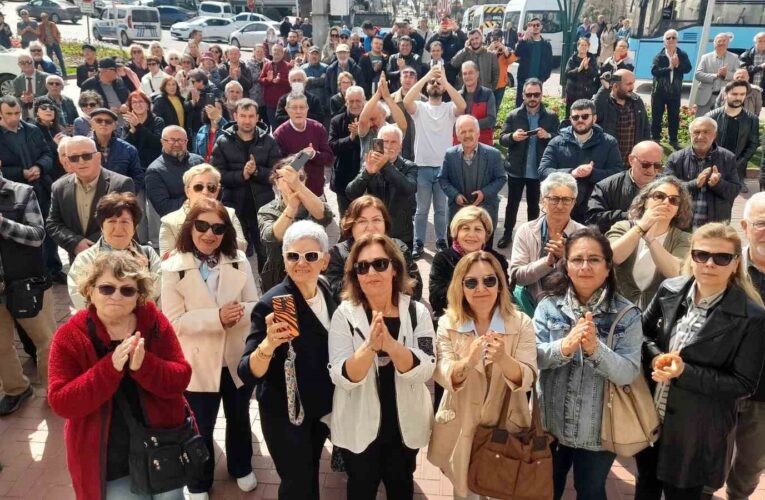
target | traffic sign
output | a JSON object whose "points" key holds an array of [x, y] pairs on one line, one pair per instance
{"points": [[86, 6]]}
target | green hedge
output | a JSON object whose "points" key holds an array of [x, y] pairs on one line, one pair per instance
{"points": [[72, 50]]}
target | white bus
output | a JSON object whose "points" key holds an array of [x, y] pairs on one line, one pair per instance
{"points": [[519, 12]]}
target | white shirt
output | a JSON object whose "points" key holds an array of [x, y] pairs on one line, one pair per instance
{"points": [[434, 126], [150, 84], [645, 268], [319, 307]]}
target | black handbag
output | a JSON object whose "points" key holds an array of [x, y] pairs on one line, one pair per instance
{"points": [[24, 298], [159, 460]]}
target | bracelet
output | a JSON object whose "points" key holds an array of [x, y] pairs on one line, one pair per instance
{"points": [[640, 230], [262, 355]]}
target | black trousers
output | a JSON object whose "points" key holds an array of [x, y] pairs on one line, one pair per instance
{"points": [[236, 407], [296, 452], [515, 186], [391, 462], [252, 235], [342, 203], [649, 487], [659, 102]]}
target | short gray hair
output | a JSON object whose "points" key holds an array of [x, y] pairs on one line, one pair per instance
{"points": [[173, 128], [470, 64], [53, 78], [389, 128], [466, 118], [702, 119], [202, 168], [231, 84], [296, 71], [305, 229], [354, 89], [383, 107], [294, 97], [559, 179], [61, 149], [756, 198], [79, 138]]}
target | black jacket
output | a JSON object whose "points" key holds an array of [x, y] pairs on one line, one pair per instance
{"points": [[93, 83], [748, 133], [311, 348], [390, 46], [608, 114], [315, 110], [230, 154], [162, 107], [451, 43], [22, 150], [523, 51], [660, 69], [146, 139], [330, 80], [82, 72], [347, 152], [746, 59], [396, 186], [370, 75], [245, 77], [722, 366], [394, 74], [517, 151], [207, 95], [164, 181], [610, 200], [581, 84]]}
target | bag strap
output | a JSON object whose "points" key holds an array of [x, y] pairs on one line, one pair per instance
{"points": [[413, 315], [619, 316]]}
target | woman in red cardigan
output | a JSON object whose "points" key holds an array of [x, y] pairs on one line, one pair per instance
{"points": [[144, 362]]}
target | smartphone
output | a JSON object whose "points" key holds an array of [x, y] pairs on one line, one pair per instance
{"points": [[285, 312], [533, 132], [300, 160], [378, 145]]}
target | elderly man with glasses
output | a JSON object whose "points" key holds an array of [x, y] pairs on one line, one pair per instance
{"points": [[55, 86], [29, 84], [40, 62], [668, 68], [108, 85]]}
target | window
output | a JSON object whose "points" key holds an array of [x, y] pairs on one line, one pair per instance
{"points": [[739, 12], [513, 17], [209, 8], [551, 20], [145, 16]]}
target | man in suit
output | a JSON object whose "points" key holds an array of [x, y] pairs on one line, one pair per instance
{"points": [[72, 219], [28, 85], [715, 69], [472, 173]]}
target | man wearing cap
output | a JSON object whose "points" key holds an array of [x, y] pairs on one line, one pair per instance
{"points": [[26, 29], [274, 79], [316, 71], [234, 70], [342, 63], [117, 155], [405, 57], [89, 68], [106, 83], [29, 84]]}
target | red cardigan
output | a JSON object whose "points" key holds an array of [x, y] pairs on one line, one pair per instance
{"points": [[81, 388], [273, 91]]}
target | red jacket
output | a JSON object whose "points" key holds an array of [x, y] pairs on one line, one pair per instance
{"points": [[81, 387], [273, 91]]}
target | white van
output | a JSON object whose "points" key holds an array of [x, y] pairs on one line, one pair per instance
{"points": [[127, 23], [519, 12], [484, 17], [215, 9]]}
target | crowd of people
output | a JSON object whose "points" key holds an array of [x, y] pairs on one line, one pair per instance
{"points": [[189, 195]]}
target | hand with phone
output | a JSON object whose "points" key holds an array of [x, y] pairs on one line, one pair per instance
{"points": [[285, 313], [519, 135], [310, 151], [277, 333]]}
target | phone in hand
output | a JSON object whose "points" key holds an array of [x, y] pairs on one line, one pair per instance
{"points": [[378, 146], [285, 312], [532, 132], [300, 160]]}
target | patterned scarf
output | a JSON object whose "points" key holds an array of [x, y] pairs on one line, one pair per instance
{"points": [[208, 262]]}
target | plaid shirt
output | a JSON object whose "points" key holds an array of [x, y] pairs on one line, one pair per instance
{"points": [[759, 59], [700, 204], [684, 333], [626, 123], [30, 232]]}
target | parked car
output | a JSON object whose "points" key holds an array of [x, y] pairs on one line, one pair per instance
{"points": [[128, 23], [215, 9], [9, 69], [212, 28], [169, 15], [249, 35], [246, 18], [57, 10], [100, 5]]}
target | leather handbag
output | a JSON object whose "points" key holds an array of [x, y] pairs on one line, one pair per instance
{"points": [[630, 420], [512, 466]]}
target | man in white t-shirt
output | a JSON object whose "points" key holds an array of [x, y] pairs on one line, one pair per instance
{"points": [[434, 121]]}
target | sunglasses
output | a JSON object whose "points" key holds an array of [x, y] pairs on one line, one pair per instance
{"points": [[583, 118], [211, 188], [379, 265], [25, 63], [125, 291], [55, 84], [533, 94], [646, 165], [103, 121], [81, 157], [45, 107], [203, 226], [719, 258], [35, 50], [434, 82], [660, 197], [670, 38], [488, 282], [310, 257], [90, 105]]}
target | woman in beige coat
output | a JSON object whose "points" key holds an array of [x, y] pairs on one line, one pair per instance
{"points": [[208, 293], [484, 348]]}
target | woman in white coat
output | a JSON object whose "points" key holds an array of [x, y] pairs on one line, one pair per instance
{"points": [[208, 293], [380, 357]]}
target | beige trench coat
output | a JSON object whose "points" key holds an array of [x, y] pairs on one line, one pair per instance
{"points": [[451, 441]]}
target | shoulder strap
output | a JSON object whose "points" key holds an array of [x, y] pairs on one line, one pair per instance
{"points": [[235, 264], [619, 316], [181, 273], [413, 314]]}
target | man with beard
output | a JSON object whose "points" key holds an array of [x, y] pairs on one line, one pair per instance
{"points": [[245, 155], [231, 94], [737, 128], [487, 62], [535, 59], [584, 151], [434, 121], [298, 81], [621, 113], [709, 173], [293, 46], [397, 62], [346, 145], [400, 31], [372, 64]]}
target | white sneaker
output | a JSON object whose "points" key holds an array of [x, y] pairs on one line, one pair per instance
{"points": [[199, 496], [248, 482]]}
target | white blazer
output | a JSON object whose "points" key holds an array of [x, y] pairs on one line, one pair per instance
{"points": [[355, 418], [193, 312]]}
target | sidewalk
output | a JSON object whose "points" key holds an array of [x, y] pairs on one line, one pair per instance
{"points": [[33, 454]]}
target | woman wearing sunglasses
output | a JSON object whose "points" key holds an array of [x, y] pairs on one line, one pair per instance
{"points": [[199, 182], [121, 345], [89, 101], [652, 244], [486, 348], [48, 119], [572, 326], [208, 293], [288, 366], [328, 51], [118, 216], [702, 353], [380, 358]]}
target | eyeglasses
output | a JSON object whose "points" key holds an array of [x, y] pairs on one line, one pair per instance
{"points": [[646, 165], [584, 117], [759, 225], [35, 50], [488, 282], [365, 223], [203, 226], [379, 265], [660, 197], [719, 258], [81, 157], [55, 84], [211, 188], [557, 200], [309, 257], [670, 38], [45, 107], [173, 140], [579, 262], [152, 64], [533, 94], [103, 121], [108, 290], [89, 105], [25, 63]]}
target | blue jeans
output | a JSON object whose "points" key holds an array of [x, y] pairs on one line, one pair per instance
{"points": [[119, 489], [54, 48], [590, 471], [429, 189]]}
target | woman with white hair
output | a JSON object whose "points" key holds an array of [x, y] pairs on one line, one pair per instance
{"points": [[538, 244], [286, 360]]}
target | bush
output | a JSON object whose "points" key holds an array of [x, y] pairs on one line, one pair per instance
{"points": [[72, 50]]}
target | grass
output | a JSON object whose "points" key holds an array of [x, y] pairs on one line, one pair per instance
{"points": [[72, 50]]}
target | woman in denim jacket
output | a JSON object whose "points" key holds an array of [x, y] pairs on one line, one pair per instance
{"points": [[572, 326]]}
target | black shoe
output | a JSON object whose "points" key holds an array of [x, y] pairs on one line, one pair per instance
{"points": [[744, 189], [676, 145], [441, 245], [505, 240], [10, 404], [419, 249], [58, 277]]}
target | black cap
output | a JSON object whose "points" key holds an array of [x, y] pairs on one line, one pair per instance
{"points": [[107, 63], [88, 46], [104, 111]]}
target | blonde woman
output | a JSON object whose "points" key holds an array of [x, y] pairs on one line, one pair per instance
{"points": [[702, 352], [485, 347], [137, 61]]}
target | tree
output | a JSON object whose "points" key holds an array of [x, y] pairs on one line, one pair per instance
{"points": [[570, 11]]}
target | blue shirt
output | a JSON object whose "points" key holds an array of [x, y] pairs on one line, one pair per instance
{"points": [[532, 169]]}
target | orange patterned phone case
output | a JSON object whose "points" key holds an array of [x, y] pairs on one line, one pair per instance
{"points": [[285, 312]]}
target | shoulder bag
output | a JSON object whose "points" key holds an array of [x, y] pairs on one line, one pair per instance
{"points": [[630, 421]]}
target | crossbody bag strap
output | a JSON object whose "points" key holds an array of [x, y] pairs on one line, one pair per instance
{"points": [[619, 316]]}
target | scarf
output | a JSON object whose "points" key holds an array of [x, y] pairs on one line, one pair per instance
{"points": [[208, 262]]}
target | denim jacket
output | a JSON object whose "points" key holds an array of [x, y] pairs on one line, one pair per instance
{"points": [[571, 388]]}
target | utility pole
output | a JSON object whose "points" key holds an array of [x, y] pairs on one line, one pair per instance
{"points": [[320, 21]]}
